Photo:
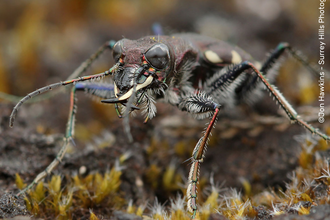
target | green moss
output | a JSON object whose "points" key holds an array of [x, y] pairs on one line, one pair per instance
{"points": [[55, 199], [59, 198]]}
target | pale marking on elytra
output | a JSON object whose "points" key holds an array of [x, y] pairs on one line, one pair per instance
{"points": [[212, 57], [236, 58]]}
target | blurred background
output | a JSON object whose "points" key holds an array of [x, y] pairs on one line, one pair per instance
{"points": [[43, 41]]}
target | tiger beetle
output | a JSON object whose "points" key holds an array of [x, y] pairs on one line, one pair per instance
{"points": [[198, 74]]}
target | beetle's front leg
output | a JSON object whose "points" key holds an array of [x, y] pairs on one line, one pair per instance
{"points": [[202, 106]]}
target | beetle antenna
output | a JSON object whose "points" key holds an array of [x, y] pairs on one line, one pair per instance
{"points": [[57, 85]]}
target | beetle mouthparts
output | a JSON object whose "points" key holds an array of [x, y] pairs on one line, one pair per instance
{"points": [[123, 102], [113, 101]]}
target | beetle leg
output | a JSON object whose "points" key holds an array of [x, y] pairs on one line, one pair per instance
{"points": [[289, 110], [270, 68], [67, 139], [197, 158], [229, 79], [201, 103], [71, 120], [198, 104]]}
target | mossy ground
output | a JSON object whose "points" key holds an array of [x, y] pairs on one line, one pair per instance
{"points": [[149, 179]]}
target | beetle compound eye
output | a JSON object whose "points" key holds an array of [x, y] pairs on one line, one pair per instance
{"points": [[158, 56], [117, 51]]}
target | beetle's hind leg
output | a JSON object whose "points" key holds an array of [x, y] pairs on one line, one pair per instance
{"points": [[228, 82], [225, 83], [289, 110], [249, 89]]}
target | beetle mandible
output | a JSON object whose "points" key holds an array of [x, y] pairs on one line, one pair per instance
{"points": [[197, 74]]}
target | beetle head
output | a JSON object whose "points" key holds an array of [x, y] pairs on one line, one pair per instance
{"points": [[144, 63]]}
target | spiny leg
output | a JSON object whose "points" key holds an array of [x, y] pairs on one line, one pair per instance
{"points": [[203, 106], [229, 78], [270, 67], [68, 137], [56, 85], [197, 158], [292, 114], [196, 104]]}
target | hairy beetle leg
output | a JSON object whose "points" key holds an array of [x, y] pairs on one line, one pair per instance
{"points": [[202, 106], [197, 158], [289, 110]]}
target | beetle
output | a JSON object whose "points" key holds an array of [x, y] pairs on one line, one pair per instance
{"points": [[198, 74]]}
